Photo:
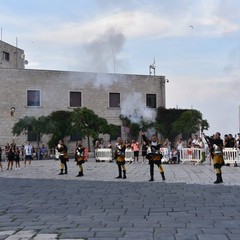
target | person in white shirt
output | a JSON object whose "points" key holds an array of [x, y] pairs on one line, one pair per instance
{"points": [[195, 141], [179, 147], [28, 153]]}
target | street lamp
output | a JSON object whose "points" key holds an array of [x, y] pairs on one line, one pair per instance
{"points": [[12, 111]]}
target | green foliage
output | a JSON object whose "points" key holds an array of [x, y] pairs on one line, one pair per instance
{"points": [[164, 120], [189, 122], [83, 121], [23, 125], [59, 126], [172, 122], [31, 125], [88, 124]]}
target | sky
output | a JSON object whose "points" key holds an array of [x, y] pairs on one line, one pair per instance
{"points": [[195, 45]]}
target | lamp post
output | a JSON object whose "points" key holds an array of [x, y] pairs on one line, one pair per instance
{"points": [[12, 111]]}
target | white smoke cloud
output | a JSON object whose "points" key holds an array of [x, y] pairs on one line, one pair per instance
{"points": [[133, 107], [102, 53]]}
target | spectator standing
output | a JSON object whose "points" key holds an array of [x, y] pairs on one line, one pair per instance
{"points": [[195, 141], [17, 157], [189, 142], [231, 141], [129, 148], [101, 144], [43, 152], [11, 153], [201, 145], [135, 146], [225, 141], [97, 145], [173, 156], [238, 140], [144, 151], [6, 150], [1, 159], [179, 147], [109, 145], [28, 154], [22, 152]]}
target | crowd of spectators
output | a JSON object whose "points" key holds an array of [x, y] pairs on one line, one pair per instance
{"points": [[14, 154], [171, 151]]}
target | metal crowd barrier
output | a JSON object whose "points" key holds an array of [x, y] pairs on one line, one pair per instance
{"points": [[129, 155], [104, 154], [166, 154], [231, 155], [191, 155]]}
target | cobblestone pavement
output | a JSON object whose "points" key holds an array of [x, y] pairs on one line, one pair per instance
{"points": [[38, 204]]}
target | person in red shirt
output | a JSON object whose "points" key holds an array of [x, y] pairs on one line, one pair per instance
{"points": [[135, 146]]}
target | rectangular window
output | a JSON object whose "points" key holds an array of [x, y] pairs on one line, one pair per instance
{"points": [[151, 100], [114, 100], [6, 56], [33, 98], [75, 99]]}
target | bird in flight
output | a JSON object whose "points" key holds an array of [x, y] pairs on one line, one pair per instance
{"points": [[191, 26]]}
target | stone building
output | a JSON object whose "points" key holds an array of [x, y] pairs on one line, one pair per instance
{"points": [[11, 57], [28, 92]]}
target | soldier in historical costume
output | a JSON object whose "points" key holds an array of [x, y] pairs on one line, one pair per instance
{"points": [[216, 147], [80, 157], [119, 156], [154, 155], [63, 157]]}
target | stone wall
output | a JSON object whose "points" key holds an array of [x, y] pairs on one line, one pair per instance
{"points": [[54, 87]]}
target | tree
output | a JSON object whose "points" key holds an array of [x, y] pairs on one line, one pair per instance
{"points": [[172, 122], [164, 120], [31, 125], [86, 123], [59, 125], [189, 122]]}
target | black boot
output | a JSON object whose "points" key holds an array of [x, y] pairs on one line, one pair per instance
{"points": [[80, 174], [124, 174], [163, 176], [61, 173], [151, 179], [119, 172], [218, 179], [151, 171], [65, 172]]}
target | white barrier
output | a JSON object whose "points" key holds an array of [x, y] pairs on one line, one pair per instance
{"points": [[104, 154], [129, 155], [231, 155], [191, 155], [165, 153]]}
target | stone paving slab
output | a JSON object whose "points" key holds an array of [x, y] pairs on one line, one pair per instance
{"points": [[37, 203]]}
